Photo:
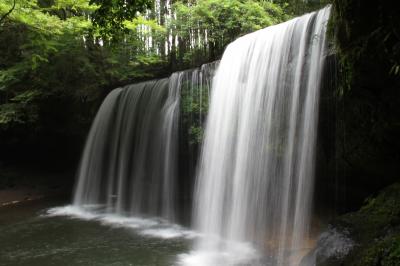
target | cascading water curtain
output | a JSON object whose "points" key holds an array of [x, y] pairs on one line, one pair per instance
{"points": [[256, 175], [129, 164]]}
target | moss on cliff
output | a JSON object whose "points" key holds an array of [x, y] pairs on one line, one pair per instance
{"points": [[367, 47], [375, 231]]}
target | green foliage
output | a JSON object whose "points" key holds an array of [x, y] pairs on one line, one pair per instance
{"points": [[210, 25], [375, 229], [59, 53], [59, 58], [52, 46], [377, 215], [195, 135], [299, 7], [193, 111], [110, 16], [386, 253]]}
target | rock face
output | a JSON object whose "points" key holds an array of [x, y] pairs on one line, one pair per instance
{"points": [[332, 247], [363, 150], [368, 237]]}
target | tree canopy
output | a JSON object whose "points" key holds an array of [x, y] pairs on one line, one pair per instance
{"points": [[110, 16], [59, 58]]}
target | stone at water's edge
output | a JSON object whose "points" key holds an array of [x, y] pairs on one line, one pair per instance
{"points": [[368, 237], [13, 196], [332, 246]]}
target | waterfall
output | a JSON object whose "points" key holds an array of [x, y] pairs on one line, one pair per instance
{"points": [[129, 164], [254, 188]]}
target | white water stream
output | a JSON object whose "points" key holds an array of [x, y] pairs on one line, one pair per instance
{"points": [[255, 183]]}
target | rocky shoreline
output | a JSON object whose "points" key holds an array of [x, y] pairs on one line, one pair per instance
{"points": [[19, 195]]}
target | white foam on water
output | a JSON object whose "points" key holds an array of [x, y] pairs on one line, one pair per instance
{"points": [[150, 227], [114, 220], [71, 211], [234, 253], [170, 232]]}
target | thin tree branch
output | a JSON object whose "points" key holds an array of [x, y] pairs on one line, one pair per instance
{"points": [[8, 13]]}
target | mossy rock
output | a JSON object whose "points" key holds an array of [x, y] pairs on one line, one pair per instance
{"points": [[374, 230], [385, 252]]}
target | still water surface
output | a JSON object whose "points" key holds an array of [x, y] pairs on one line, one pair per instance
{"points": [[36, 234]]}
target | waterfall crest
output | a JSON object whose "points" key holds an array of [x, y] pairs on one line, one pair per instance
{"points": [[255, 177], [129, 165]]}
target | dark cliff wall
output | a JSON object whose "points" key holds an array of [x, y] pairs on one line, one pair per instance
{"points": [[359, 136], [361, 115]]}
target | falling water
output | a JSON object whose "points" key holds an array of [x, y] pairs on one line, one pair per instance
{"points": [[129, 164], [255, 181]]}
